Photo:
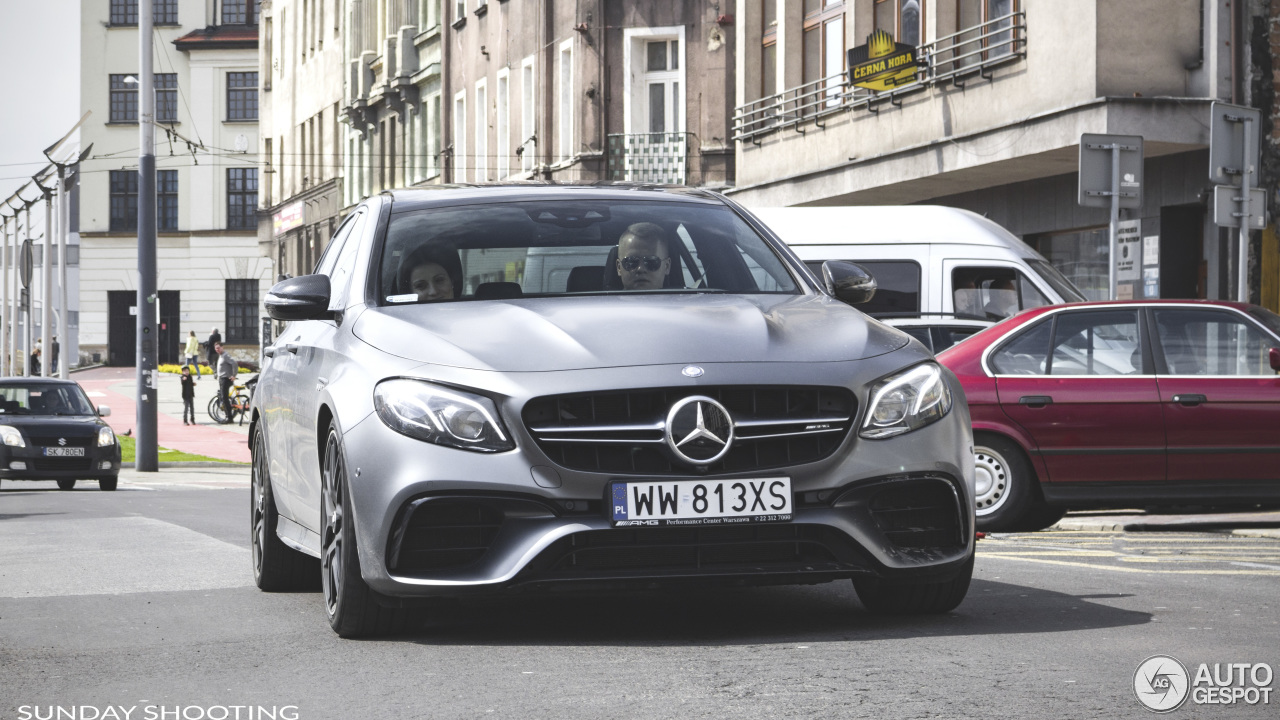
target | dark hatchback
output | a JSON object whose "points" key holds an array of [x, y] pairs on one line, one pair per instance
{"points": [[49, 430]]}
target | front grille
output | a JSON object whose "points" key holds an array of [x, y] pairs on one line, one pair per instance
{"points": [[52, 441], [446, 534], [918, 514], [66, 464], [622, 432], [667, 550]]}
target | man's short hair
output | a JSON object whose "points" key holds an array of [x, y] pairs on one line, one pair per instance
{"points": [[647, 231]]}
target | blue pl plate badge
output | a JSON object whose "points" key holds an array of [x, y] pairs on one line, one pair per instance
{"points": [[620, 501]]}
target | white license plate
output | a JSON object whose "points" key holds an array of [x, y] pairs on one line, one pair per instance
{"points": [[64, 452], [701, 502]]}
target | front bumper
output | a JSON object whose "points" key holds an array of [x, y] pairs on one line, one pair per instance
{"points": [[433, 521], [30, 463]]}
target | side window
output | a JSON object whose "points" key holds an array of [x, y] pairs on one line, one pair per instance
{"points": [[1026, 354], [340, 275], [1211, 342], [331, 251], [897, 286], [1097, 343], [992, 293]]}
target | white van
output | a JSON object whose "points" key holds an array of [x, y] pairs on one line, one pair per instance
{"points": [[942, 273]]}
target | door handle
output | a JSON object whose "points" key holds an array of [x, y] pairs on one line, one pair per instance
{"points": [[291, 348], [1035, 401], [1190, 400]]}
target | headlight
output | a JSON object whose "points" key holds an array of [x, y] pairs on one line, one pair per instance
{"points": [[908, 400], [11, 436], [441, 415], [106, 438]]}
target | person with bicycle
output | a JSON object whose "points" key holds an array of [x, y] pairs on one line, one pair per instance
{"points": [[226, 373]]}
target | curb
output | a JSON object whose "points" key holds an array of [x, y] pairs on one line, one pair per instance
{"points": [[1219, 527], [193, 464]]}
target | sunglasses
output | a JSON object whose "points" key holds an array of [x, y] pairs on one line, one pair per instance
{"points": [[651, 263]]}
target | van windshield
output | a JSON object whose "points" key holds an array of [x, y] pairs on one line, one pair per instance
{"points": [[527, 249], [1059, 282]]}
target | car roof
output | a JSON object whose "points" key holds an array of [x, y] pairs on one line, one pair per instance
{"points": [[882, 224], [410, 199], [34, 380], [1153, 302]]}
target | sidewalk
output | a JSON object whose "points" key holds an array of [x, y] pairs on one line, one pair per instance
{"points": [[1244, 524], [116, 387]]}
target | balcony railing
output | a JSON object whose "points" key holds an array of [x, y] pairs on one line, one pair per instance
{"points": [[648, 157], [953, 59]]}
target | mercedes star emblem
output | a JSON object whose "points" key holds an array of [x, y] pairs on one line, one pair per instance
{"points": [[699, 430], [691, 371]]}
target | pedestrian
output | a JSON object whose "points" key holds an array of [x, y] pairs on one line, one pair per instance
{"points": [[214, 339], [188, 395], [35, 358], [53, 358], [191, 353], [226, 374]]}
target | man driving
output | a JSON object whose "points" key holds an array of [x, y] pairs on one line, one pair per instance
{"points": [[643, 257]]}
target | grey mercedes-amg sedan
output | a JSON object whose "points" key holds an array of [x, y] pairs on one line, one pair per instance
{"points": [[519, 387]]}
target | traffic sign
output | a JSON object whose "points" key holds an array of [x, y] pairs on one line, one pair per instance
{"points": [[1233, 143], [1096, 170], [1227, 211]]}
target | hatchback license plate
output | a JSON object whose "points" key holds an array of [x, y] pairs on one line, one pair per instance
{"points": [[64, 452], [701, 502]]}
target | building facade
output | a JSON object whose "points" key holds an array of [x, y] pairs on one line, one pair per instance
{"points": [[210, 273], [1005, 89]]}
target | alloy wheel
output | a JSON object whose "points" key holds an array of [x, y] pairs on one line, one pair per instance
{"points": [[333, 478]]}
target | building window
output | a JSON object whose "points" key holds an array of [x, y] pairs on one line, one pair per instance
{"points": [[242, 312], [242, 198], [433, 136], [460, 137], [482, 132], [504, 124], [662, 83], [240, 12], [124, 200], [528, 91], [564, 107], [166, 87], [428, 14], [125, 12], [823, 42], [242, 96], [124, 100], [167, 200], [769, 50]]}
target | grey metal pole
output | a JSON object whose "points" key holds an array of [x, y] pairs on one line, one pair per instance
{"points": [[4, 293], [17, 297], [1242, 270], [64, 230], [46, 284], [27, 330], [1115, 220], [146, 453]]}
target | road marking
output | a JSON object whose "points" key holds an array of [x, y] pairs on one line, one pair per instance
{"points": [[1114, 568]]}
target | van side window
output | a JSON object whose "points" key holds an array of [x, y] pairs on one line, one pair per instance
{"points": [[992, 293], [897, 287]]}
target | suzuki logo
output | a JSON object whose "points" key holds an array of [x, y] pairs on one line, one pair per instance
{"points": [[62, 441]]}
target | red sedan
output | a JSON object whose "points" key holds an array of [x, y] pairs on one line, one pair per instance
{"points": [[1122, 404]]}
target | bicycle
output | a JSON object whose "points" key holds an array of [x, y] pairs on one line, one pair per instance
{"points": [[240, 402]]}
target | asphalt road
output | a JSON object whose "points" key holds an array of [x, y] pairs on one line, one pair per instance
{"points": [[143, 599]]}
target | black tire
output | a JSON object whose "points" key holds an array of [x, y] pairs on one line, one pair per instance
{"points": [[276, 566], [1007, 491], [215, 410], [921, 598], [108, 483], [66, 484], [352, 606]]}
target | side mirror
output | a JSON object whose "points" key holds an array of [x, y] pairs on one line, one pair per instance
{"points": [[103, 411], [1275, 358], [302, 298], [848, 282]]}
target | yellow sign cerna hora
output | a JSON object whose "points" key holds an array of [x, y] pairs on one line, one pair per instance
{"points": [[882, 64]]}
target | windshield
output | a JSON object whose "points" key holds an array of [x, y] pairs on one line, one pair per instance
{"points": [[44, 400], [509, 250], [1059, 282]]}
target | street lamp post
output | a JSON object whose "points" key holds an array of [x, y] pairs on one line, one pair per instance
{"points": [[146, 449]]}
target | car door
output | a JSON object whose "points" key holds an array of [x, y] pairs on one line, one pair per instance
{"points": [[1078, 383], [313, 344], [1221, 398]]}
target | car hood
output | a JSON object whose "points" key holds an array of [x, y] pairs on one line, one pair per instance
{"points": [[71, 425], [573, 333]]}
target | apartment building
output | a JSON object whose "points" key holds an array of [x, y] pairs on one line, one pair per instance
{"points": [[993, 120], [210, 273]]}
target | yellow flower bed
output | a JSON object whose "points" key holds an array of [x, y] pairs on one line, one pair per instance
{"points": [[177, 369]]}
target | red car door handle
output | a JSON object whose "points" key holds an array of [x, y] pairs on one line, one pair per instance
{"points": [[1035, 401], [1190, 400]]}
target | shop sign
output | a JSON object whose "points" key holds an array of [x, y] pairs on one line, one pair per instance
{"points": [[882, 64], [1129, 251], [287, 218]]}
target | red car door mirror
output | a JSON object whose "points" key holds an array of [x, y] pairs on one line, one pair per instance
{"points": [[1275, 358]]}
